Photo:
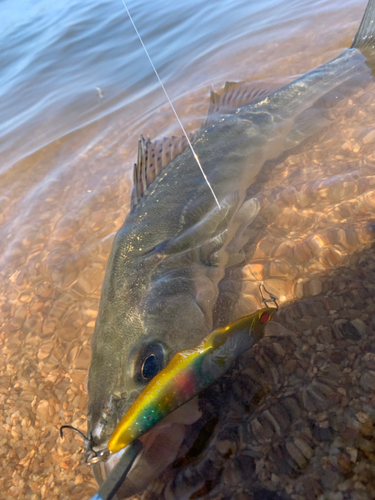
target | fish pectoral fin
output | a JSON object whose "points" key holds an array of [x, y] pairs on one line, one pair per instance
{"points": [[307, 124], [209, 233]]}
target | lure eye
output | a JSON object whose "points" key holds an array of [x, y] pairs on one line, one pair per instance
{"points": [[264, 318], [150, 367]]}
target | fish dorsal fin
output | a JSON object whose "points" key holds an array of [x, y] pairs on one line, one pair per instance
{"points": [[213, 104], [153, 157], [233, 96]]}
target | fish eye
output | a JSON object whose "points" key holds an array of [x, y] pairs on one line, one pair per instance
{"points": [[151, 359], [150, 367]]}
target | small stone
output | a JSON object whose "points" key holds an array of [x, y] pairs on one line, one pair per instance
{"points": [[304, 448], [290, 366], [344, 462], [45, 350], [366, 429], [42, 410], [359, 325], [353, 453], [25, 298], [294, 159], [369, 360], [315, 286], [356, 147], [350, 331], [79, 479], [82, 361], [224, 446], [370, 137], [296, 454], [82, 286], [278, 349], [367, 381], [44, 289], [232, 474], [362, 417]]}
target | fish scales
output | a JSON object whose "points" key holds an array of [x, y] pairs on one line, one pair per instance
{"points": [[162, 280]]}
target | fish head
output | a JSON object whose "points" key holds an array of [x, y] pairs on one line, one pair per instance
{"points": [[150, 309]]}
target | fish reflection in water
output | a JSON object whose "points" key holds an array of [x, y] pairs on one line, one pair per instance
{"points": [[180, 267]]}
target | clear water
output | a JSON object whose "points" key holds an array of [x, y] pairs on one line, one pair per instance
{"points": [[67, 151]]}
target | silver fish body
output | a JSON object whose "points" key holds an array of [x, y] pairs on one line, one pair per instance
{"points": [[167, 260]]}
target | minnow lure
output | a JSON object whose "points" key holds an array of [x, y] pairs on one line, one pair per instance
{"points": [[188, 373]]}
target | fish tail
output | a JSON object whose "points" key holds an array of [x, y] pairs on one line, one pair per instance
{"points": [[364, 40]]}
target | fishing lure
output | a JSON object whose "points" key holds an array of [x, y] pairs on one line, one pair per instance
{"points": [[189, 372]]}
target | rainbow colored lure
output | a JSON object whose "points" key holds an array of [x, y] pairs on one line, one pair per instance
{"points": [[187, 374]]}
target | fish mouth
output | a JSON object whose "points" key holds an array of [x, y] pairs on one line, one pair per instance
{"points": [[161, 445]]}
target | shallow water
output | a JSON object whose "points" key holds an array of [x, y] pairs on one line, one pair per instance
{"points": [[67, 151]]}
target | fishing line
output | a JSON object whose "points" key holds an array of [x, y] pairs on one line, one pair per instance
{"points": [[173, 108]]}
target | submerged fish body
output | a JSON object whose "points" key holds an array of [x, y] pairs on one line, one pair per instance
{"points": [[163, 274]]}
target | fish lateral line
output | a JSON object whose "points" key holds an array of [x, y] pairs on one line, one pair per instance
{"points": [[172, 107]]}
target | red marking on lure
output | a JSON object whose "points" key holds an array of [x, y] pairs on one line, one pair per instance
{"points": [[264, 318], [186, 383]]}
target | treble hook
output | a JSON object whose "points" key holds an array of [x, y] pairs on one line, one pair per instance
{"points": [[272, 298], [85, 438], [92, 456]]}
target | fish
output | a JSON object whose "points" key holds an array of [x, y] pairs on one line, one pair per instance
{"points": [[161, 287]]}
